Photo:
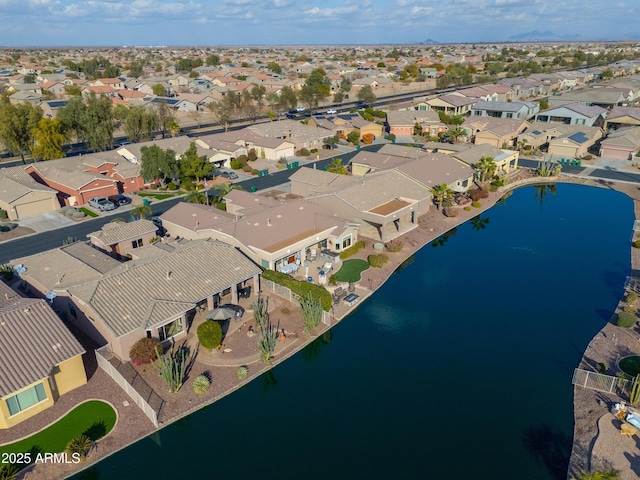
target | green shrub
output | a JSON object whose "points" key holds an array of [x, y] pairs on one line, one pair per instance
{"points": [[210, 334], [636, 244], [281, 166], [630, 309], [247, 168], [172, 186], [201, 384], [303, 152], [632, 297], [242, 372], [394, 245], [3, 214], [254, 171], [467, 209], [253, 156], [476, 204], [601, 367], [243, 159], [7, 226], [314, 150], [81, 446], [588, 157], [144, 351], [377, 261], [353, 249], [235, 165], [493, 188], [301, 289], [626, 319]]}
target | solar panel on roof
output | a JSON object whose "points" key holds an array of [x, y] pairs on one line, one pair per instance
{"points": [[536, 132], [579, 137], [57, 104]]}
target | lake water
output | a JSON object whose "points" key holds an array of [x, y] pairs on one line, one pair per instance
{"points": [[459, 367]]}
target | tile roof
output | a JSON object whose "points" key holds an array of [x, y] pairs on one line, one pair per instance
{"points": [[142, 293], [16, 183], [33, 340], [435, 169], [116, 232]]}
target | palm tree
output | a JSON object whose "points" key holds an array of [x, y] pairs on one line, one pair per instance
{"points": [[196, 197], [141, 211], [440, 194], [336, 166], [455, 133], [522, 144], [223, 189], [486, 166]]}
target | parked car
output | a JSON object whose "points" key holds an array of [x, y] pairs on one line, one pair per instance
{"points": [[244, 292], [119, 199], [291, 116], [229, 175], [157, 221], [331, 111], [300, 109], [236, 308], [101, 203]]}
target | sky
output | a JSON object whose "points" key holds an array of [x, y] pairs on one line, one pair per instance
{"points": [[310, 22]]}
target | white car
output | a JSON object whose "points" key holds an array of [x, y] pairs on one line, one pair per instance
{"points": [[332, 111], [101, 204], [300, 109]]}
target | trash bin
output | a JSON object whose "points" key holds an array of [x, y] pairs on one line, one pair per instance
{"points": [[145, 202], [253, 188]]}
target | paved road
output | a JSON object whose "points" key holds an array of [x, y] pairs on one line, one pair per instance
{"points": [[23, 246]]}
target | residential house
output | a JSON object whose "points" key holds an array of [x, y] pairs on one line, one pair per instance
{"points": [[299, 134], [402, 122], [575, 142], [622, 117], [272, 234], [451, 104], [601, 97], [115, 83], [21, 196], [222, 150], [506, 161], [499, 132], [40, 360], [266, 147], [573, 114], [385, 204], [120, 239], [522, 110], [118, 304], [623, 144], [50, 107], [26, 96]]}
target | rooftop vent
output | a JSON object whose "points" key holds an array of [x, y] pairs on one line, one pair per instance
{"points": [[169, 275]]}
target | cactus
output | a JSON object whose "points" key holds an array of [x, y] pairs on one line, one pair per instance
{"points": [[172, 367], [311, 313], [201, 384], [267, 341], [260, 311], [634, 396]]}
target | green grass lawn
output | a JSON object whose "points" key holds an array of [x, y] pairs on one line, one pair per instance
{"points": [[630, 365], [88, 212], [93, 418], [350, 270], [157, 196]]}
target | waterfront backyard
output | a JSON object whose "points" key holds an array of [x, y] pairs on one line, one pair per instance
{"points": [[492, 320]]}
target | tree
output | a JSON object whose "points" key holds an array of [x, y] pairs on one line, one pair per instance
{"points": [[135, 69], [417, 129], [486, 166], [227, 109], [274, 67], [120, 113], [141, 211], [455, 133], [212, 60], [174, 128], [193, 165], [440, 194], [366, 95], [338, 97], [288, 98], [17, 123], [544, 104], [72, 118], [159, 90], [158, 164], [345, 85], [354, 137], [196, 196], [97, 123], [48, 139], [165, 116], [139, 124], [336, 166], [257, 94], [606, 474], [331, 141]]}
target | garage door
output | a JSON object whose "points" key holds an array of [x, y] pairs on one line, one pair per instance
{"points": [[615, 153], [35, 208]]}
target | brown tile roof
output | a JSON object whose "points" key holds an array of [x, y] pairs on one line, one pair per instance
{"points": [[33, 340], [116, 232]]}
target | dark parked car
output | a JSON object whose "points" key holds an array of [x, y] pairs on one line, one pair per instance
{"points": [[244, 292], [236, 308], [119, 199]]}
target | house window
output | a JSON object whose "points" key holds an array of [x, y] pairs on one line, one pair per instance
{"points": [[170, 329], [136, 243], [346, 241], [26, 399]]}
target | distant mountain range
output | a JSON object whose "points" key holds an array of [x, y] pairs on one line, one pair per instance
{"points": [[548, 36]]}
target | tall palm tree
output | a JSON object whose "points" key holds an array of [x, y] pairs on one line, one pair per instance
{"points": [[455, 133], [440, 194], [141, 211], [607, 474], [196, 196], [223, 189], [486, 166]]}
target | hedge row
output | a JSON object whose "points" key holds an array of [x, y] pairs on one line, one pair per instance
{"points": [[300, 288], [353, 249]]}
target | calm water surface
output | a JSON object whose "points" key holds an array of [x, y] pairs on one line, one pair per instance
{"points": [[459, 367]]}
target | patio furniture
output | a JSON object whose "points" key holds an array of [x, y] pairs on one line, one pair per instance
{"points": [[313, 254], [352, 288], [328, 267]]}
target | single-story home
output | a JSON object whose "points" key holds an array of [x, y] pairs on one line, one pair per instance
{"points": [[575, 142], [624, 144], [573, 114], [21, 196], [120, 239], [40, 359]]}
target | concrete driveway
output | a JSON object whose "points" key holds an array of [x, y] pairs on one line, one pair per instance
{"points": [[46, 221]]}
